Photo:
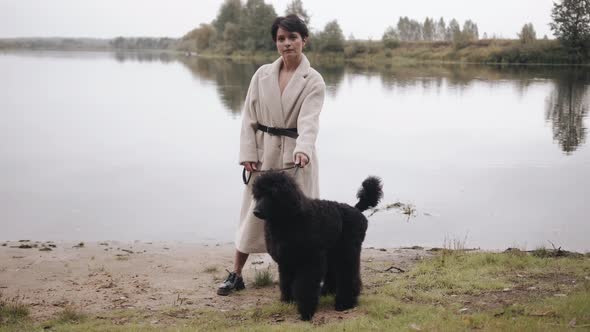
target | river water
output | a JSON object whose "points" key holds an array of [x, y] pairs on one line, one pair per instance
{"points": [[101, 146]]}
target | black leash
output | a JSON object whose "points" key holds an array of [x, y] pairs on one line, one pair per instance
{"points": [[288, 132], [247, 175]]}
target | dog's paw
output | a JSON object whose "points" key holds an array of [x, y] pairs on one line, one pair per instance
{"points": [[287, 299], [306, 317], [344, 306]]}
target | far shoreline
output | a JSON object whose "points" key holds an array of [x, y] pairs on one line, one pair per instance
{"points": [[482, 52]]}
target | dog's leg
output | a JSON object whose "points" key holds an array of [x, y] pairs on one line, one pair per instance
{"points": [[349, 279], [306, 286], [286, 277], [329, 286]]}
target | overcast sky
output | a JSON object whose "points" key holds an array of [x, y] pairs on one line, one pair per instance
{"points": [[173, 18]]}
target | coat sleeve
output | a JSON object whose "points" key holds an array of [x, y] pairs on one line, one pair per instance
{"points": [[308, 121], [249, 120]]}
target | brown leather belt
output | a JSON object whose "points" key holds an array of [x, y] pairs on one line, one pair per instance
{"points": [[289, 132]]}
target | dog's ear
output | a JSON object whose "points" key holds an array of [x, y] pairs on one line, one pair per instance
{"points": [[261, 208]]}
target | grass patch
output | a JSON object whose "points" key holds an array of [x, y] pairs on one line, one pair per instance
{"points": [[70, 316], [454, 290], [455, 244], [263, 278], [13, 311], [488, 51], [541, 252]]}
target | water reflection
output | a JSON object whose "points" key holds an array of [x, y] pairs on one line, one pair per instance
{"points": [[470, 145], [145, 57], [567, 107], [333, 76], [460, 76], [231, 78]]}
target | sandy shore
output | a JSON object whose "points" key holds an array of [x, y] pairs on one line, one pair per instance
{"points": [[104, 276]]}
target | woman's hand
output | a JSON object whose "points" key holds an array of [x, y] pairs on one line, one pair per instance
{"points": [[250, 166], [301, 159]]}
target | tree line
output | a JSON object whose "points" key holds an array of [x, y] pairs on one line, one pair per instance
{"points": [[71, 44], [430, 30], [143, 43], [244, 26]]}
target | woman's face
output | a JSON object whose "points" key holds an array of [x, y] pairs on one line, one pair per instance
{"points": [[289, 44]]}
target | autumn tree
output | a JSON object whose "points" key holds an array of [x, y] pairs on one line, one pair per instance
{"points": [[200, 38], [409, 30], [428, 29], [453, 30], [390, 38], [231, 38], [527, 34], [470, 30], [230, 11], [441, 28], [331, 38], [257, 17], [296, 7]]}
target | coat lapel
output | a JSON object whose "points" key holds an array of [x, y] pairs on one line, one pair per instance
{"points": [[294, 87], [270, 88]]}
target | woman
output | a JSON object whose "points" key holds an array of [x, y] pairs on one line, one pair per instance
{"points": [[280, 123]]}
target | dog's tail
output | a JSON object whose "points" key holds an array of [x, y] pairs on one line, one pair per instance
{"points": [[370, 193]]}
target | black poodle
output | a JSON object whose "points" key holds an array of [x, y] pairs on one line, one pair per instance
{"points": [[314, 240]]}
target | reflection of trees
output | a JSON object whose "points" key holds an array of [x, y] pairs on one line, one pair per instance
{"points": [[456, 76], [566, 108], [231, 78], [333, 75], [144, 56]]}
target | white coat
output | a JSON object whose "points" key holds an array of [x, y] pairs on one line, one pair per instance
{"points": [[298, 107]]}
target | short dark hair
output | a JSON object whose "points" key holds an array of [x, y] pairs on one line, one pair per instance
{"points": [[291, 23]]}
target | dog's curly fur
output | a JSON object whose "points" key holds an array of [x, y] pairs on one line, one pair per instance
{"points": [[314, 241]]}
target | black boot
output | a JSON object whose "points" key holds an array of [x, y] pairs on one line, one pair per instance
{"points": [[232, 283]]}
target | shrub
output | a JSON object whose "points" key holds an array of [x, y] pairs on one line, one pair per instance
{"points": [[263, 278]]}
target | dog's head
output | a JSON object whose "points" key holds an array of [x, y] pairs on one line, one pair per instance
{"points": [[276, 194]]}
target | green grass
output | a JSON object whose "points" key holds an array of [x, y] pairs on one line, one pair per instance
{"points": [[454, 290], [489, 51], [13, 311], [456, 273], [263, 278], [70, 316], [541, 252]]}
